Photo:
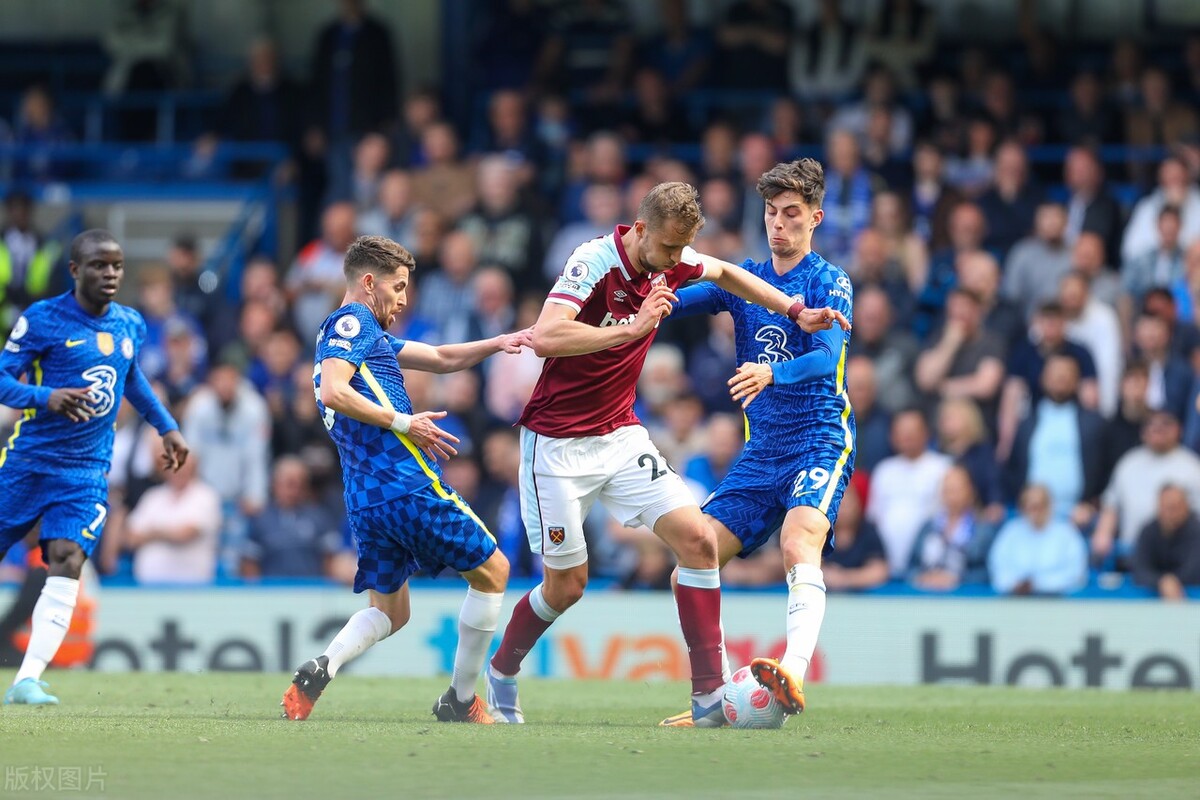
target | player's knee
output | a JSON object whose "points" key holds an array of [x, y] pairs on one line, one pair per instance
{"points": [[697, 547], [491, 576], [564, 588], [64, 559], [803, 547]]}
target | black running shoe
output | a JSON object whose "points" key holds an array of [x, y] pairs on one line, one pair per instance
{"points": [[307, 684]]}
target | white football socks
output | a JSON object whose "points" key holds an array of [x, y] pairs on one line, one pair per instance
{"points": [[51, 619], [477, 623], [361, 631], [805, 611]]}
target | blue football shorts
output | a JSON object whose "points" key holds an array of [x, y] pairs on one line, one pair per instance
{"points": [[70, 507], [428, 530], [760, 489]]}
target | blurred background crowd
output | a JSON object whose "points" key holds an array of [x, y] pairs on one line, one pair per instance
{"points": [[1020, 217]]}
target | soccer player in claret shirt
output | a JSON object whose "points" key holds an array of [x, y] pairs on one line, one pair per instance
{"points": [[581, 442], [800, 451], [403, 516], [79, 352]]}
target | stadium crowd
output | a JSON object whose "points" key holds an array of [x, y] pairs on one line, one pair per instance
{"points": [[1024, 361]]}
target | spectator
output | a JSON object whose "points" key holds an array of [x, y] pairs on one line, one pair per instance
{"points": [[601, 210], [229, 429], [39, 129], [756, 155], [979, 274], [901, 37], [264, 105], [1060, 445], [172, 530], [828, 57], [904, 487], [872, 422], [271, 371], [316, 281], [590, 50], [1167, 556], [393, 215], [680, 51], [1128, 502], [944, 121], [494, 313], [30, 264], [448, 293], [1091, 208], [1160, 266], [859, 561], [719, 151], [514, 375], [502, 225], [1124, 431], [292, 537], [1012, 200], [656, 117], [1086, 120], [603, 162], [874, 268], [962, 436], [970, 170], [1094, 325], [966, 360], [1174, 189], [753, 42], [933, 199], [709, 362], [892, 351], [721, 235], [786, 124], [1125, 71], [681, 434], [197, 295], [891, 217], [444, 183], [1035, 554], [1023, 386], [967, 230], [1170, 377], [723, 437], [354, 86], [371, 156], [879, 93], [422, 110], [300, 429], [849, 190], [156, 301], [508, 134], [1187, 289], [1160, 120], [1037, 263], [951, 548], [1183, 338], [1088, 259]]}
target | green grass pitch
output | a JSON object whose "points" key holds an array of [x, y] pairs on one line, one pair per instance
{"points": [[219, 735]]}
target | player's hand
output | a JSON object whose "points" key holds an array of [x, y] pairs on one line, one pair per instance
{"points": [[175, 451], [74, 404], [656, 306], [749, 381], [514, 342], [426, 435], [812, 320]]}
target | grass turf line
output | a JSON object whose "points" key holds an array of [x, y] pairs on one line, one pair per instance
{"points": [[219, 735]]}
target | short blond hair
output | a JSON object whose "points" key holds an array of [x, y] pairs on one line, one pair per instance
{"points": [[676, 202]]}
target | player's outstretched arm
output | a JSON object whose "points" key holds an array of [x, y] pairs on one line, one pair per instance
{"points": [[738, 281], [337, 394], [454, 357], [558, 333]]}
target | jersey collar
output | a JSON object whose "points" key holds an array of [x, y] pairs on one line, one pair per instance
{"points": [[627, 268]]}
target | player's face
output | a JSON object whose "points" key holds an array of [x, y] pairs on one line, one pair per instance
{"points": [[790, 222], [389, 295], [660, 248], [98, 273]]}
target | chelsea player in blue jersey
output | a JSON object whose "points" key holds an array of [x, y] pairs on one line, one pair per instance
{"points": [[799, 453], [78, 352], [403, 516]]}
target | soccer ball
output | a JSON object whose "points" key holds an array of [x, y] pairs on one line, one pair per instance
{"points": [[748, 705]]}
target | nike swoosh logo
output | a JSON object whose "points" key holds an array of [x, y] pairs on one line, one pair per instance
{"points": [[88, 535], [75, 342]]}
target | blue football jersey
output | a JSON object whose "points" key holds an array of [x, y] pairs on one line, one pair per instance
{"points": [[378, 464], [56, 344], [788, 417]]}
